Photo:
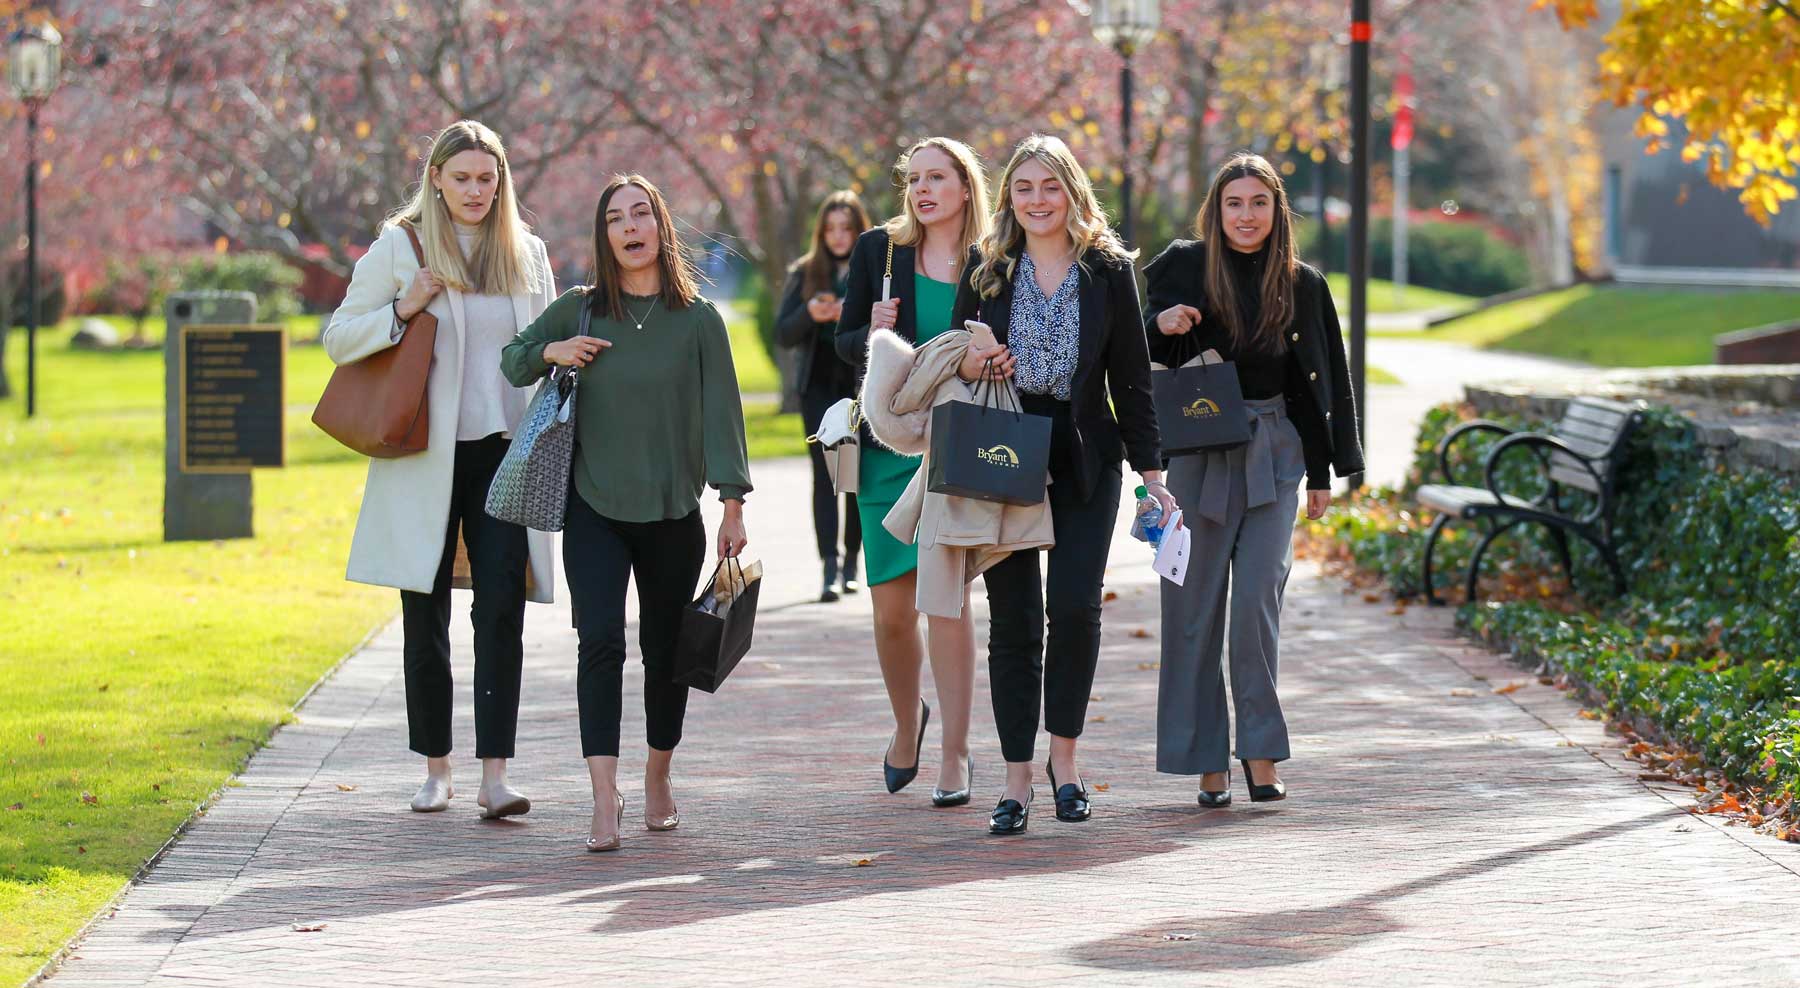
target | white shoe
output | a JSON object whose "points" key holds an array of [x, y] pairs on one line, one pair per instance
{"points": [[502, 800], [433, 796]]}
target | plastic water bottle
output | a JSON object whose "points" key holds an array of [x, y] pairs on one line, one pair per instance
{"points": [[1149, 522]]}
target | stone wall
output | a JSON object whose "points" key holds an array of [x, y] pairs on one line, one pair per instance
{"points": [[1743, 416]]}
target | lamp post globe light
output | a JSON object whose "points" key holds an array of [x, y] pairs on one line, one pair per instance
{"points": [[1124, 25], [33, 68]]}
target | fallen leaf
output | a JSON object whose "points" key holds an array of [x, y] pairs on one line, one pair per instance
{"points": [[16, 806], [1149, 666], [1655, 777], [306, 927], [40, 740], [1371, 598], [1509, 688], [1462, 691], [1109, 597], [1095, 698], [1178, 936], [344, 788], [1546, 681], [1589, 715], [104, 686], [1102, 786], [90, 799], [1097, 719], [1140, 633], [80, 849], [861, 862]]}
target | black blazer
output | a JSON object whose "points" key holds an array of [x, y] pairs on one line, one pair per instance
{"points": [[1112, 358], [868, 259], [1319, 401], [795, 327]]}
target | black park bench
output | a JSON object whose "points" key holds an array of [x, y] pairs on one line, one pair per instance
{"points": [[1582, 452]]}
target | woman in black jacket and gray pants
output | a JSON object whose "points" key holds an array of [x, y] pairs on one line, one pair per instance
{"points": [[811, 302], [1241, 290], [1057, 287]]}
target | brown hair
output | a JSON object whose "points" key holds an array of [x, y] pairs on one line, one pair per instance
{"points": [[1086, 223], [818, 268], [1277, 293], [680, 282]]}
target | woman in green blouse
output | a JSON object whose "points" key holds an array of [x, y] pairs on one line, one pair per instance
{"points": [[658, 418]]}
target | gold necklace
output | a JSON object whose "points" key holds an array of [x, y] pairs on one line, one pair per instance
{"points": [[634, 318]]}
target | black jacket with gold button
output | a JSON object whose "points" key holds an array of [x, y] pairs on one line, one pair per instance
{"points": [[1318, 395]]}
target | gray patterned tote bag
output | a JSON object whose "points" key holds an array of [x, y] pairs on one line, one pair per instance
{"points": [[531, 486]]}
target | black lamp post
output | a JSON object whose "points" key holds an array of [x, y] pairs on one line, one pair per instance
{"points": [[33, 68], [1361, 34], [1123, 25]]}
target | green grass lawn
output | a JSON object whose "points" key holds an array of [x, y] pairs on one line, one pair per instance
{"points": [[1382, 300], [131, 686], [1620, 326]]}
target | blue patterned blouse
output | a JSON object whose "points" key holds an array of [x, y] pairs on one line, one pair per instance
{"points": [[1045, 337]]}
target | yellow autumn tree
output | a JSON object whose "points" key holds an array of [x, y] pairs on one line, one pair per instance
{"points": [[1728, 70]]}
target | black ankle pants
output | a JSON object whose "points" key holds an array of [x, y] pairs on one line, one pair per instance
{"points": [[498, 557], [600, 556]]}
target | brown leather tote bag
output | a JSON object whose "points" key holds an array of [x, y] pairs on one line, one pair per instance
{"points": [[378, 405]]}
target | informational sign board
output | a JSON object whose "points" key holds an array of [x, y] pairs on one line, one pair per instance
{"points": [[231, 393]]}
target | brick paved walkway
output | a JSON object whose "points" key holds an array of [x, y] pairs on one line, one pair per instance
{"points": [[1433, 838]]}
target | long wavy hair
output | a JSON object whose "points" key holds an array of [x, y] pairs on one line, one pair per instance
{"points": [[1089, 232], [1277, 289], [680, 280], [818, 268], [499, 262], [907, 229]]}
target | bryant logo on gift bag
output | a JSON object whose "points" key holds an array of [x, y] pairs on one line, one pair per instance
{"points": [[1202, 408], [1000, 456]]}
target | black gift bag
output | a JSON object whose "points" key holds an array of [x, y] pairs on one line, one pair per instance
{"points": [[1199, 406], [989, 453], [716, 628]]}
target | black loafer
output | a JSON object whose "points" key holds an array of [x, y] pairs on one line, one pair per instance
{"points": [[899, 778], [1071, 799], [1010, 817], [1263, 794]]}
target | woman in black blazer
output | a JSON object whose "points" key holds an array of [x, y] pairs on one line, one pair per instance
{"points": [[944, 211], [811, 302], [1056, 285], [1240, 289]]}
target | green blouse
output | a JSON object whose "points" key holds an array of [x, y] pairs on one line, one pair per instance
{"points": [[658, 416]]}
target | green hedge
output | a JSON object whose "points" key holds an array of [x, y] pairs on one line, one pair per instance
{"points": [[1454, 257], [1703, 645]]}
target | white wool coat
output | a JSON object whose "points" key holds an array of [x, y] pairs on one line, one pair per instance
{"points": [[399, 540]]}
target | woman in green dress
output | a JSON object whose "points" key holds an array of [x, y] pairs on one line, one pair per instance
{"points": [[903, 278]]}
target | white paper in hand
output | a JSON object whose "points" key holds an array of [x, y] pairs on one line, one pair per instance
{"points": [[1172, 556]]}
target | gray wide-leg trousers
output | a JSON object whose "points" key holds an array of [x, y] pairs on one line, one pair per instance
{"points": [[1241, 505]]}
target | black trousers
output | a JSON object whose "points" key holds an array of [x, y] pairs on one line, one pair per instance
{"points": [[600, 556], [813, 404], [498, 557], [1020, 668]]}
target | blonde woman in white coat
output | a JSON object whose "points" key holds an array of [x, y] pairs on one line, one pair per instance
{"points": [[485, 278]]}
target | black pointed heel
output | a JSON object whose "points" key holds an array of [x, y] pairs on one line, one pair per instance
{"points": [[956, 797], [1217, 799], [1071, 799], [1262, 794], [899, 778], [1010, 817]]}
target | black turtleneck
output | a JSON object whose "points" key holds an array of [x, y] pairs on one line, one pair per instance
{"points": [[1261, 373]]}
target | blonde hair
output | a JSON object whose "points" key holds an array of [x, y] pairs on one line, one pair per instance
{"points": [[498, 262], [907, 229], [1087, 226]]}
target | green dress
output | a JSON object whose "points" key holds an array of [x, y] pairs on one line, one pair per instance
{"points": [[885, 473]]}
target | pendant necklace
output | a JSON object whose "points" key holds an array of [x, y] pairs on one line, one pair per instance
{"points": [[640, 322]]}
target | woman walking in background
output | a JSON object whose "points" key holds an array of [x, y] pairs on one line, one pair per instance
{"points": [[484, 276], [1057, 287], [1240, 289], [658, 419], [811, 303], [903, 277]]}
